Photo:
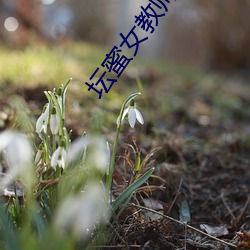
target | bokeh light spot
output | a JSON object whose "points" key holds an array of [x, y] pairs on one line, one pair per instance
{"points": [[11, 24], [47, 2], [58, 31]]}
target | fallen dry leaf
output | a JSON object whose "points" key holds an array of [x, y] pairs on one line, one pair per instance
{"points": [[215, 231], [245, 236]]}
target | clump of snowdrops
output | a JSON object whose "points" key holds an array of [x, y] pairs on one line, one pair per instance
{"points": [[61, 190]]}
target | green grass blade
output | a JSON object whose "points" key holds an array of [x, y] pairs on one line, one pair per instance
{"points": [[11, 240], [128, 191], [122, 209]]}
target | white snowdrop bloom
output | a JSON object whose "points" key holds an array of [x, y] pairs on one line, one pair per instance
{"points": [[42, 122], [59, 157], [98, 152], [80, 214], [38, 156], [54, 121], [77, 149], [17, 152], [133, 114]]}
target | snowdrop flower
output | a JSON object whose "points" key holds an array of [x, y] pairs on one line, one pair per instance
{"points": [[98, 152], [42, 122], [133, 114], [99, 155], [59, 157], [79, 214], [54, 121], [17, 152]]}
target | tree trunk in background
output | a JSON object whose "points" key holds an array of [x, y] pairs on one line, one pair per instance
{"points": [[92, 20], [211, 33], [229, 35]]}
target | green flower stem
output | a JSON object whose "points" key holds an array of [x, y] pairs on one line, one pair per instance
{"points": [[65, 87], [66, 136], [47, 138], [112, 164], [54, 142]]}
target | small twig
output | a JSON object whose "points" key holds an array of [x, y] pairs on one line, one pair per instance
{"points": [[227, 207], [184, 224], [118, 235], [48, 185], [149, 188], [239, 217], [116, 246], [185, 242], [175, 198], [57, 180]]}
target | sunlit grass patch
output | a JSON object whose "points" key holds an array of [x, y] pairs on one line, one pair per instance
{"points": [[39, 65]]}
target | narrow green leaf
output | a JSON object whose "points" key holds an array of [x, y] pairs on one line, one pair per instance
{"points": [[128, 191], [122, 209], [10, 236], [65, 87], [39, 222], [185, 212], [138, 163]]}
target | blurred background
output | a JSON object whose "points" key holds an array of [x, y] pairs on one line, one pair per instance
{"points": [[199, 56], [195, 84], [213, 34]]}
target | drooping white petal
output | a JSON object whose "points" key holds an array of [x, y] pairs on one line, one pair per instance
{"points": [[5, 139], [38, 156], [44, 127], [39, 123], [123, 116], [46, 113], [132, 117], [139, 116], [63, 160], [19, 151], [54, 124], [101, 154], [133, 114], [64, 154], [77, 148], [61, 163], [98, 152], [55, 156], [79, 214], [125, 112], [59, 158], [18, 156]]}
